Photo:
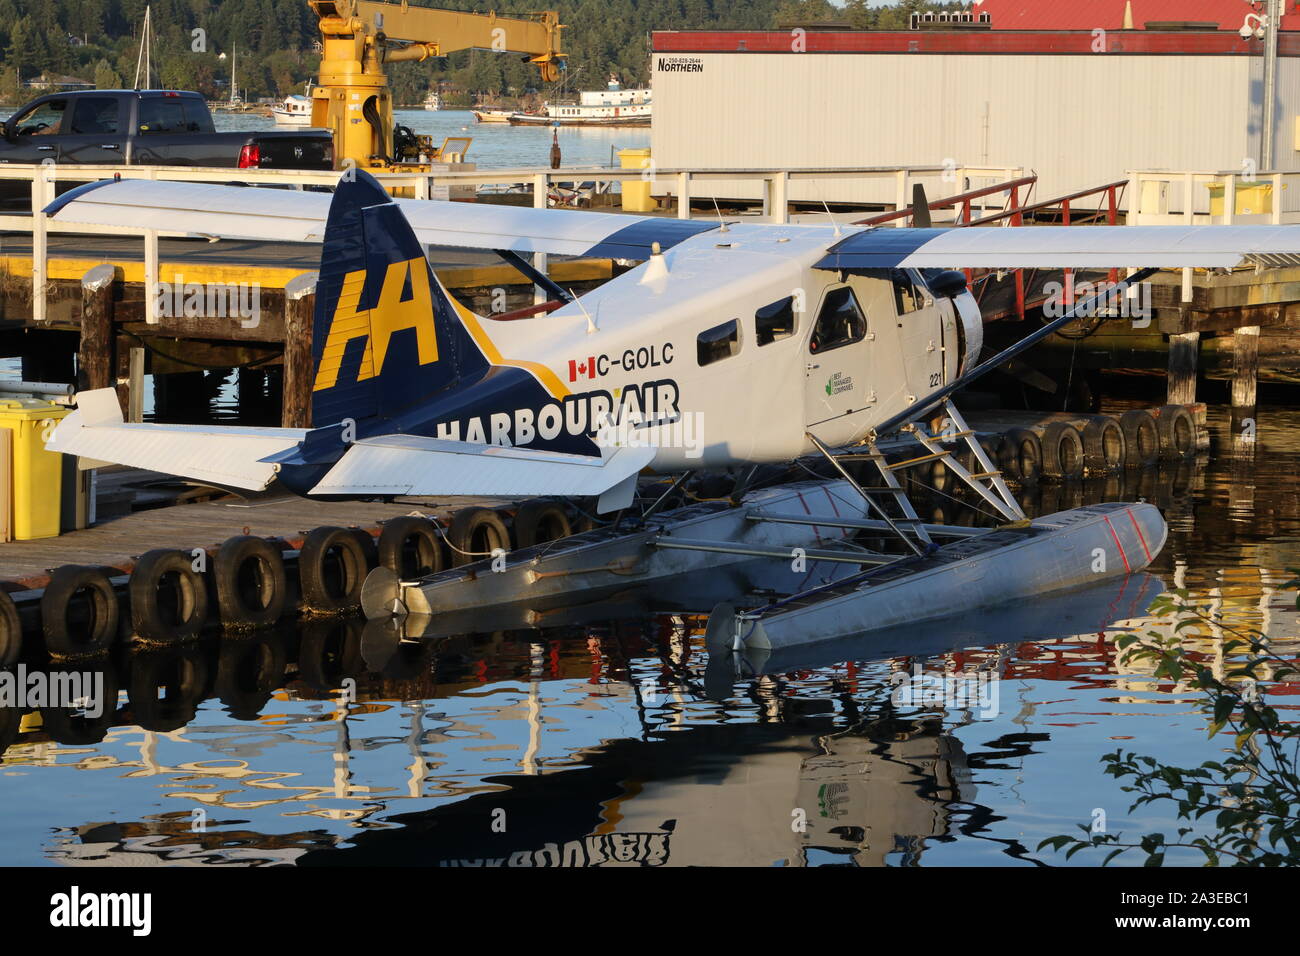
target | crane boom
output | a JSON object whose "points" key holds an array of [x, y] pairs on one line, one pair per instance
{"points": [[358, 37]]}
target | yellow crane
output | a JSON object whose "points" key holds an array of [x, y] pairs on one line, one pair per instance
{"points": [[358, 37]]}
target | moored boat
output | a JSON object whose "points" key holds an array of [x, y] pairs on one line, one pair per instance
{"points": [[295, 110], [612, 106]]}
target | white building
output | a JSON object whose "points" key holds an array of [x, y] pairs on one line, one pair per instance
{"points": [[1080, 108]]}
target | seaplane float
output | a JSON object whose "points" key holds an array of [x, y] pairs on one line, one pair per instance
{"points": [[725, 345]]}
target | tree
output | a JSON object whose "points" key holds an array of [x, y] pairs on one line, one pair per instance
{"points": [[1253, 793], [106, 77]]}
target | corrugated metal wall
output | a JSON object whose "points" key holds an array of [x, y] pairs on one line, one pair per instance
{"points": [[1078, 121]]}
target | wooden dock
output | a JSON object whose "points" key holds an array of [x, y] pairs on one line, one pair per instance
{"points": [[117, 541]]}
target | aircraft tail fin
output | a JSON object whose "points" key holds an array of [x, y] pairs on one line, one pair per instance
{"points": [[385, 333]]}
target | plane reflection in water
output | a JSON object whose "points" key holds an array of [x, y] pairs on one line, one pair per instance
{"points": [[867, 779], [625, 742]]}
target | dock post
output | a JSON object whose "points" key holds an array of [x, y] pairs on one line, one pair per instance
{"points": [[299, 306], [135, 385], [41, 197], [95, 352], [1245, 368], [1183, 349], [541, 193]]}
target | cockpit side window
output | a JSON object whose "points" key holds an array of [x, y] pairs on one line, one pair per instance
{"points": [[775, 321], [840, 322], [907, 297]]}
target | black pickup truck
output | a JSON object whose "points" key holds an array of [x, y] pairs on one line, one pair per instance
{"points": [[147, 128]]}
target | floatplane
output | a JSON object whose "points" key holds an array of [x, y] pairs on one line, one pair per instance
{"points": [[728, 345]]}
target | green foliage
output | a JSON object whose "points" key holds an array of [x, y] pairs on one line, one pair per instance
{"points": [[276, 40], [1252, 795]]}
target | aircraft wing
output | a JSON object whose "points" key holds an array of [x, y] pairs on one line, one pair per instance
{"points": [[246, 212], [1101, 247]]}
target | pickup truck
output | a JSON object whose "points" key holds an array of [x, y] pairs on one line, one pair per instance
{"points": [[147, 128]]}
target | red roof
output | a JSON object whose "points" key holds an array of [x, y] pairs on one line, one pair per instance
{"points": [[1109, 14], [1061, 42]]}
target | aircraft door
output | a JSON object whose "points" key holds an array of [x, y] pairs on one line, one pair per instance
{"points": [[910, 342], [836, 384]]}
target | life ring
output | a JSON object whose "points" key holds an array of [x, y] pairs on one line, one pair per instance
{"points": [[1104, 447], [11, 631], [1177, 433], [169, 600], [474, 534], [541, 520], [78, 612], [1141, 438], [331, 568], [1062, 451], [250, 582], [1021, 454], [410, 547]]}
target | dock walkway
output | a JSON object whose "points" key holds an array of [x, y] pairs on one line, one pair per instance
{"points": [[117, 542]]}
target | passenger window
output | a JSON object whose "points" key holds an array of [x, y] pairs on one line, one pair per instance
{"points": [[775, 321], [721, 341], [159, 114], [43, 120], [94, 114], [840, 322]]}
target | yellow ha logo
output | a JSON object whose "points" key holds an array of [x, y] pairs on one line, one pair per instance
{"points": [[377, 325]]}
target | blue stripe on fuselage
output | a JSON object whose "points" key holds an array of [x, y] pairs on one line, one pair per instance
{"points": [[634, 241]]}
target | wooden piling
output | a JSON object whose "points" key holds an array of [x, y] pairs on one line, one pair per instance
{"points": [[1183, 350], [95, 354], [299, 304], [1245, 366], [135, 384]]}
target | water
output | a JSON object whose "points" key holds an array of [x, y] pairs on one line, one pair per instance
{"points": [[624, 743], [497, 145]]}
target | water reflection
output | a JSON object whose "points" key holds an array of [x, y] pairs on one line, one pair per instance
{"points": [[617, 739]]}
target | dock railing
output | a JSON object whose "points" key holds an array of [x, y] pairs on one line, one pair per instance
{"points": [[1163, 197], [438, 183]]}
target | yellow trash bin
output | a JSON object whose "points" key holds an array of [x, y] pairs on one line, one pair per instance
{"points": [[636, 192], [35, 475]]}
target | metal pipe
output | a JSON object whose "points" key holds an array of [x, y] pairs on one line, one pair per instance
{"points": [[1271, 21], [773, 551], [51, 389]]}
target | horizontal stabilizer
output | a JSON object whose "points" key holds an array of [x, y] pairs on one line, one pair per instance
{"points": [[242, 212], [215, 454], [1099, 247], [412, 465]]}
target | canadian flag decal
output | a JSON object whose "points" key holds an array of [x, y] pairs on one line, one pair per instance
{"points": [[582, 369]]}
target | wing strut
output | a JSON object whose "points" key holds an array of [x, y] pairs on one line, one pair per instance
{"points": [[936, 398]]}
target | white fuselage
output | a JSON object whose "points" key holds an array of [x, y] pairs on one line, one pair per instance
{"points": [[643, 336]]}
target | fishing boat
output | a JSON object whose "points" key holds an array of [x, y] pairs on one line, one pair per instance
{"points": [[295, 110], [492, 115], [612, 106]]}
